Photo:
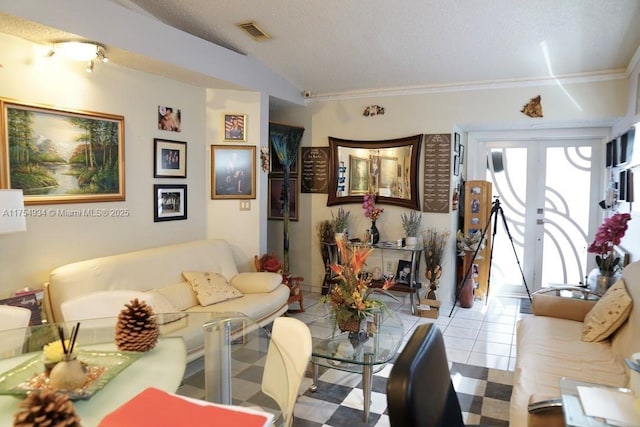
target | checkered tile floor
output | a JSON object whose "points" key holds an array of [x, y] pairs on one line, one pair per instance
{"points": [[483, 393]]}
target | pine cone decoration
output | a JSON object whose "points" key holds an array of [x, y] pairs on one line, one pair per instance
{"points": [[137, 329], [46, 409]]}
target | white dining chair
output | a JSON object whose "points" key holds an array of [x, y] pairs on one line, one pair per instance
{"points": [[13, 328], [101, 304], [288, 355]]}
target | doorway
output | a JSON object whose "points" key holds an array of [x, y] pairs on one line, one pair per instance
{"points": [[547, 187]]}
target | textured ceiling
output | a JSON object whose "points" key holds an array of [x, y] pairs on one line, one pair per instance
{"points": [[335, 47]]}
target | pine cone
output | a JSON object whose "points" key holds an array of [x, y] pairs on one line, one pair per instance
{"points": [[46, 408], [137, 329]]}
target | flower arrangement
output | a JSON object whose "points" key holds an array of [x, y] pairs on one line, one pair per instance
{"points": [[350, 298], [369, 206], [434, 243], [411, 223], [609, 235], [340, 220], [469, 242]]}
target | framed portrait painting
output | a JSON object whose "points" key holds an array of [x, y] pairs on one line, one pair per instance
{"points": [[235, 127], [276, 198], [169, 202], [61, 156], [403, 274], [170, 159], [233, 172]]}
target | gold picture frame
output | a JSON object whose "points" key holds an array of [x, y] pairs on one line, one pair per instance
{"points": [[235, 127], [233, 172], [61, 156]]}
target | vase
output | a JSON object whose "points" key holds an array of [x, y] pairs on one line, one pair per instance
{"points": [[375, 234], [68, 374], [599, 282], [412, 241], [466, 292]]}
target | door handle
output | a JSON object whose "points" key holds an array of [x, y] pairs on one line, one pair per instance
{"points": [[540, 221]]}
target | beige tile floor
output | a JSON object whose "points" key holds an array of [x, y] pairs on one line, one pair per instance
{"points": [[483, 335]]}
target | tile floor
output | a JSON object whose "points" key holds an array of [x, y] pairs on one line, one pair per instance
{"points": [[483, 335]]}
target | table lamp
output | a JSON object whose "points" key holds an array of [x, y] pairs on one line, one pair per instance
{"points": [[12, 214]]}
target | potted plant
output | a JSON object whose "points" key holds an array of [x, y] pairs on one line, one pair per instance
{"points": [[350, 300], [340, 222], [434, 244], [609, 235], [411, 224]]}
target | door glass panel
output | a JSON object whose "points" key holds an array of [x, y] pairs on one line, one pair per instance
{"points": [[566, 217], [508, 173]]}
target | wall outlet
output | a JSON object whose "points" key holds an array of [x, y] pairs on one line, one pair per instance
{"points": [[245, 205]]}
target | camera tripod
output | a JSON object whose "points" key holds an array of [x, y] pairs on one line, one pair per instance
{"points": [[496, 210]]}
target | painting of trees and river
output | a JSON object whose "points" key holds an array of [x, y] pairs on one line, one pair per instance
{"points": [[57, 156]]}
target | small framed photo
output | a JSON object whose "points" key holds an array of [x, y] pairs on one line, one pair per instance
{"points": [[456, 142], [169, 202], [170, 159], [456, 164], [169, 118], [276, 198], [461, 156], [235, 127], [233, 172], [404, 272]]}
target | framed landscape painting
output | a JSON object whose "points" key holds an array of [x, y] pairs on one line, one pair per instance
{"points": [[61, 156]]}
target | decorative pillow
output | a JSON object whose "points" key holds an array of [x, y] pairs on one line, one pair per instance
{"points": [[211, 288], [161, 305], [608, 314]]}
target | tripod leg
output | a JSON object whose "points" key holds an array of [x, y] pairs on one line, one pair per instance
{"points": [[515, 253]]}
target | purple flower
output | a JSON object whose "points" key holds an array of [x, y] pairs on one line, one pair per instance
{"points": [[609, 235]]}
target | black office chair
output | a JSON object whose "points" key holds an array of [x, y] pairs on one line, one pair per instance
{"points": [[419, 389]]}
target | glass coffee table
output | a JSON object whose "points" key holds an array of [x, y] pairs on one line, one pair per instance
{"points": [[339, 350]]}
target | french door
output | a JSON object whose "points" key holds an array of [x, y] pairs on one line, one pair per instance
{"points": [[547, 189]]}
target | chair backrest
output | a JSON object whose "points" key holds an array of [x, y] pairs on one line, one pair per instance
{"points": [[101, 304], [419, 388], [288, 355], [13, 324]]}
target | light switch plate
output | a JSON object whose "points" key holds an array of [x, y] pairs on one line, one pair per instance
{"points": [[245, 205]]}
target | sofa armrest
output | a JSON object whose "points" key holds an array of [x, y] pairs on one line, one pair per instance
{"points": [[561, 307], [256, 282]]}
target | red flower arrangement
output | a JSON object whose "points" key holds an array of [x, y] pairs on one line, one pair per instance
{"points": [[608, 236]]}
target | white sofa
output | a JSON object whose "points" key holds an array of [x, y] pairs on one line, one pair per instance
{"points": [[550, 346], [160, 270]]}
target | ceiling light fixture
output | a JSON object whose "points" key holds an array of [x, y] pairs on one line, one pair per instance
{"points": [[81, 51]]}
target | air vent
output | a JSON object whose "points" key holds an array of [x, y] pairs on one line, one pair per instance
{"points": [[254, 31]]}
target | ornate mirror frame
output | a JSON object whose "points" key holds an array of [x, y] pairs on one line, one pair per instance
{"points": [[369, 156]]}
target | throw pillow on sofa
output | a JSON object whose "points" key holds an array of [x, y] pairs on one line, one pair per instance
{"points": [[609, 313], [161, 305], [211, 288]]}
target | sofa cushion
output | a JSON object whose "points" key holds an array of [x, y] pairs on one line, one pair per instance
{"points": [[211, 288], [161, 305], [181, 295], [256, 283], [608, 314]]}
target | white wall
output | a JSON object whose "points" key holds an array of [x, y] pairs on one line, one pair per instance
{"points": [[27, 258], [499, 108]]}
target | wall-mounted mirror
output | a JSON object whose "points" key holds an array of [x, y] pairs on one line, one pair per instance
{"points": [[388, 168]]}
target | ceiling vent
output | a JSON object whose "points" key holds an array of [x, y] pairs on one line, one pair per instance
{"points": [[254, 31]]}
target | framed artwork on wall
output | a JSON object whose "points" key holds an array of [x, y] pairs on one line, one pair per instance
{"points": [[235, 127], [169, 202], [276, 198], [170, 159], [61, 156], [233, 172], [169, 118]]}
